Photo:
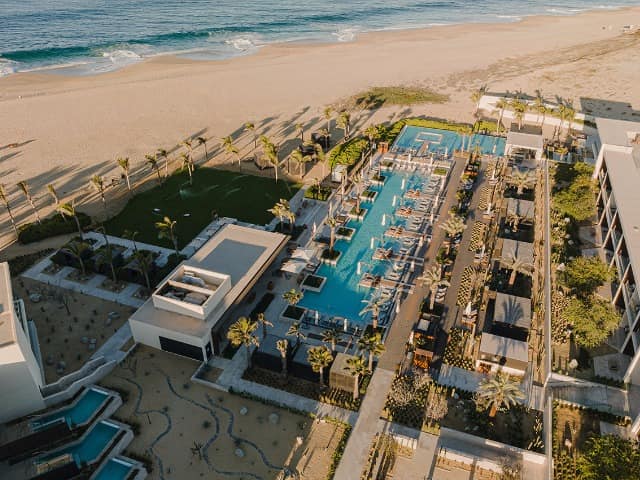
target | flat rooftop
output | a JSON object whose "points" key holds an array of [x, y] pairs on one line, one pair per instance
{"points": [[512, 310], [624, 176], [7, 315], [617, 132], [242, 253], [529, 136], [504, 347], [514, 248], [522, 208]]}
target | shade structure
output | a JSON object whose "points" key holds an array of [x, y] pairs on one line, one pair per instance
{"points": [[293, 266], [302, 254]]}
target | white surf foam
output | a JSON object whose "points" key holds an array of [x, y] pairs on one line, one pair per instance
{"points": [[346, 34], [242, 43]]}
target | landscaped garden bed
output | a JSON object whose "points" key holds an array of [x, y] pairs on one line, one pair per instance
{"points": [[345, 233], [313, 283], [293, 312], [357, 214], [330, 257], [378, 180], [386, 165], [305, 388], [458, 344], [368, 195], [318, 193], [440, 172]]}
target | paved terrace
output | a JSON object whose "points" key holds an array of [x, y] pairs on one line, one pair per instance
{"points": [[356, 451]]}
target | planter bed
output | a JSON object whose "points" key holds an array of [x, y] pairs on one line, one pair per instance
{"points": [[378, 180], [345, 233], [386, 166], [357, 215], [330, 258], [440, 172], [368, 195], [293, 312], [313, 283]]}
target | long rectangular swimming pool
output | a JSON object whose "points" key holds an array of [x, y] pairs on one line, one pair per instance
{"points": [[413, 138], [79, 413], [114, 469], [91, 446], [341, 295]]}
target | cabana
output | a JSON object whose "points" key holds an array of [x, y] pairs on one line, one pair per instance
{"points": [[526, 141], [267, 354], [500, 354], [339, 375], [525, 209], [514, 248], [511, 316]]}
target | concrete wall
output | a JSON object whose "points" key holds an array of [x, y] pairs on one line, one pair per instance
{"points": [[20, 393], [149, 335], [94, 377]]}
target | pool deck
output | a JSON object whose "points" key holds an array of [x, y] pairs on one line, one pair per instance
{"points": [[356, 451]]}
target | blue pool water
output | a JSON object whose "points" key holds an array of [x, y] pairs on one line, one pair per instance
{"points": [[92, 446], [341, 295], [114, 470], [413, 137], [88, 404]]}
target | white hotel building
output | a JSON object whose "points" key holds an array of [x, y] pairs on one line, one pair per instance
{"points": [[21, 375], [617, 170]]}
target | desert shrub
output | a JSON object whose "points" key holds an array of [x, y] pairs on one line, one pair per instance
{"points": [[51, 227]]}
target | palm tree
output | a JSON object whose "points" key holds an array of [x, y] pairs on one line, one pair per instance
{"points": [[167, 229], [519, 110], [300, 159], [569, 114], [516, 265], [319, 358], [131, 235], [262, 320], [25, 189], [501, 105], [539, 106], [300, 131], [56, 199], [287, 213], [357, 367], [454, 225], [188, 144], [203, 142], [328, 115], [251, 127], [514, 220], [283, 346], [77, 249], [521, 179], [344, 123], [5, 202], [242, 333], [321, 157], [332, 223], [497, 392], [108, 253], [152, 161], [123, 163], [373, 133], [271, 154], [372, 344], [332, 337], [295, 330], [476, 96], [433, 281], [374, 304], [144, 261], [163, 153], [69, 210], [98, 183], [292, 297], [230, 149], [277, 211], [187, 164]]}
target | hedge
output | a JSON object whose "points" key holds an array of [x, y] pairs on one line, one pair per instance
{"points": [[51, 227], [348, 153]]}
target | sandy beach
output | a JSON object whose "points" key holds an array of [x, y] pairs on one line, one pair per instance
{"points": [[69, 128]]}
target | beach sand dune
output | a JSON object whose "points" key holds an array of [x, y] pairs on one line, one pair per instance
{"points": [[69, 128]]}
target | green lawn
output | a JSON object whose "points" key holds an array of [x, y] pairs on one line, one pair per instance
{"points": [[229, 194], [377, 97]]}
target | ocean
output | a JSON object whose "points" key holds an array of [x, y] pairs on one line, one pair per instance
{"points": [[94, 36]]}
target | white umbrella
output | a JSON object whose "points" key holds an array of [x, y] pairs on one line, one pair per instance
{"points": [[315, 228], [383, 219], [345, 324], [293, 266], [358, 268], [317, 316], [302, 254], [467, 310], [371, 243]]}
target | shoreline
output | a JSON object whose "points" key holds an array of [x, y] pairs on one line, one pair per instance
{"points": [[183, 56], [68, 128]]}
